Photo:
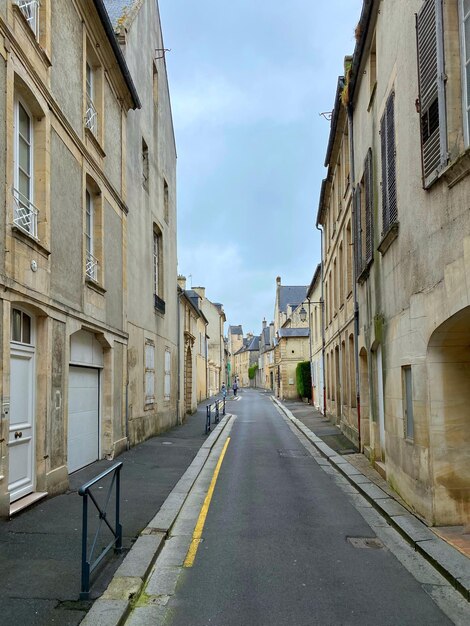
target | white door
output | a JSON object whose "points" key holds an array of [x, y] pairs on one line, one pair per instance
{"points": [[21, 432], [83, 427]]}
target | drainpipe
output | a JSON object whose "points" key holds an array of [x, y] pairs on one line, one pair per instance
{"points": [[128, 444], [322, 309], [178, 395], [310, 351], [354, 268]]}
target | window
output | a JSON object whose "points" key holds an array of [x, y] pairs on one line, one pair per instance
{"points": [[431, 79], [364, 206], [408, 402], [91, 260], [389, 179], [91, 114], [20, 327], [145, 166], [30, 10], [149, 372], [25, 214], [465, 37], [166, 202], [372, 70], [158, 271], [167, 389]]}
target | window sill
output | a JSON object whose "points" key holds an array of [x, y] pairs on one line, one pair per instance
{"points": [[372, 97], [364, 273], [30, 241], [458, 169], [95, 286], [159, 304], [388, 238], [94, 140], [149, 406]]}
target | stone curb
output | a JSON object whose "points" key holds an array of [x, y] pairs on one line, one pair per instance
{"points": [[113, 607], [451, 563]]}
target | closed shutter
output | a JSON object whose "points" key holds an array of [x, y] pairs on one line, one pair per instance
{"points": [[431, 80], [389, 178], [167, 389], [357, 229], [368, 181]]}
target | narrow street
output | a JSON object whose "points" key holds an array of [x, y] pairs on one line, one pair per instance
{"points": [[285, 542]]}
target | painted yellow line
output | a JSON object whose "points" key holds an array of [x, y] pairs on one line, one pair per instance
{"points": [[196, 540]]}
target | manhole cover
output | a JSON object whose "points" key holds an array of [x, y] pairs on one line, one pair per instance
{"points": [[293, 454], [167, 443], [366, 542]]}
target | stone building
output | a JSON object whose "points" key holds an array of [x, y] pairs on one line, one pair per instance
{"points": [[335, 218], [152, 313], [66, 92], [244, 358], [292, 347], [408, 100], [317, 355], [265, 374]]}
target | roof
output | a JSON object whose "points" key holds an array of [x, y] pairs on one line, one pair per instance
{"points": [[315, 279], [266, 336], [103, 7], [292, 296], [254, 345], [293, 332], [121, 12], [235, 330], [369, 12], [334, 119]]}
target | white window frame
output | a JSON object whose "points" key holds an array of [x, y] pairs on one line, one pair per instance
{"points": [[91, 114], [30, 11], [149, 372], [464, 64], [156, 263], [91, 260], [25, 214], [167, 380]]}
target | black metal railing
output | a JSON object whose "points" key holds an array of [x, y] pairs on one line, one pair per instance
{"points": [[217, 404], [159, 303], [88, 564]]}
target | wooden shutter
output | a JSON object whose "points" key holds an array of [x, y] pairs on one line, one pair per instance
{"points": [[357, 230], [368, 184], [431, 81], [389, 178]]}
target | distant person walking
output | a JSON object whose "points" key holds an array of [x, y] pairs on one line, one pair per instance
{"points": [[224, 390], [235, 387]]}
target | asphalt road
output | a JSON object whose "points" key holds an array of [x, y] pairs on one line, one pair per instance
{"points": [[276, 545]]}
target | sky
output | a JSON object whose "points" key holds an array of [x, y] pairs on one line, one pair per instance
{"points": [[248, 81]]}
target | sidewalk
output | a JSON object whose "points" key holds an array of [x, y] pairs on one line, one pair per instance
{"points": [[40, 549], [436, 545]]}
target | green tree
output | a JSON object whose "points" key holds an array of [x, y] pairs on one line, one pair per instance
{"points": [[304, 379], [252, 371]]}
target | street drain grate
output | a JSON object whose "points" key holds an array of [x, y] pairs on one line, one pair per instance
{"points": [[365, 542], [293, 454]]}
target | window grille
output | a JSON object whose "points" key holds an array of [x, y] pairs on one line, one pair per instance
{"points": [[91, 114], [25, 214], [30, 10], [167, 389], [431, 80], [149, 372], [389, 180]]}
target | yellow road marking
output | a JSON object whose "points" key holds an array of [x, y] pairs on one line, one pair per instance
{"points": [[196, 540]]}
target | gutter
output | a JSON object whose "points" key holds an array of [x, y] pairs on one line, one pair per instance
{"points": [[109, 30]]}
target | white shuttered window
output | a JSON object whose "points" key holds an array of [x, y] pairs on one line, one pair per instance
{"points": [[149, 372], [167, 390], [389, 175], [431, 76]]}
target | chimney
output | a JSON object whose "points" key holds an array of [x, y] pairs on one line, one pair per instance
{"points": [[182, 282], [201, 291], [264, 323], [278, 281]]}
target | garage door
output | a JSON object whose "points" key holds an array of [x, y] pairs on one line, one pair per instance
{"points": [[83, 432]]}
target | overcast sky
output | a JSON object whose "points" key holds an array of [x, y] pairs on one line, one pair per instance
{"points": [[248, 81]]}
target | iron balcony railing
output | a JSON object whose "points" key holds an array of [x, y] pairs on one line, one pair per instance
{"points": [[91, 116], [25, 214], [91, 266], [159, 303], [30, 10]]}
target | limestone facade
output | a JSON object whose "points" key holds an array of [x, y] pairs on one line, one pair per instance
{"points": [[315, 311]]}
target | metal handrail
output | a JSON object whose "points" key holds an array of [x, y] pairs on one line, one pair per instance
{"points": [[91, 266], [25, 214], [91, 115], [88, 565]]}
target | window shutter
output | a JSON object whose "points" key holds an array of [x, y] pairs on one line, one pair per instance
{"points": [[389, 181], [357, 238], [431, 81], [369, 207]]}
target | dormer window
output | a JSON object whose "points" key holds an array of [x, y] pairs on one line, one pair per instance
{"points": [[30, 10]]}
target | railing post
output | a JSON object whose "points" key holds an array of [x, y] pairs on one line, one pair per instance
{"points": [[85, 591], [223, 409], [208, 418], [118, 547], [216, 411]]}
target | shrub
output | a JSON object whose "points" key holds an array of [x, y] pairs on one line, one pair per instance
{"points": [[252, 371], [304, 380]]}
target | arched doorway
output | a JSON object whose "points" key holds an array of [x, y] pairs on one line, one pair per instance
{"points": [[188, 381], [448, 367]]}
